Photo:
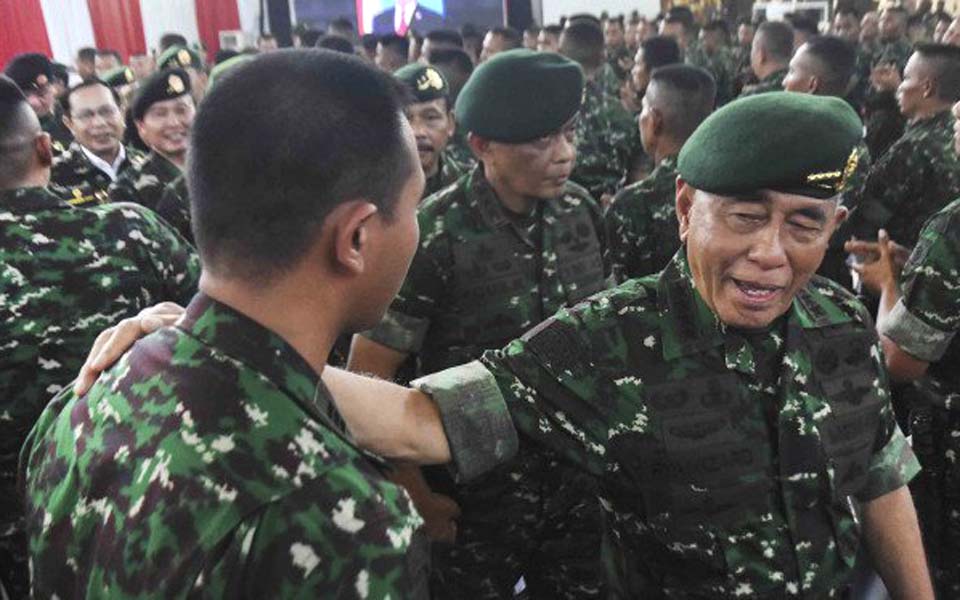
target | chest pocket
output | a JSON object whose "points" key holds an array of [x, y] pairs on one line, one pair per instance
{"points": [[844, 367], [699, 463], [491, 282], [579, 257]]}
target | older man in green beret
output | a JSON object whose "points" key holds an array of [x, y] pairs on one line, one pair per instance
{"points": [[509, 244], [163, 113], [733, 408], [431, 116]]}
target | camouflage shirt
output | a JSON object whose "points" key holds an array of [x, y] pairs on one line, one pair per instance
{"points": [[68, 273], [914, 179], [213, 464], [481, 277], [608, 141], [450, 171], [722, 65], [641, 224], [771, 83], [145, 185], [729, 462], [76, 175], [174, 206]]}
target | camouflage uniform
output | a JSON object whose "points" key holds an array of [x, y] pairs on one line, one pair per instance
{"points": [[608, 141], [60, 135], [729, 463], [145, 185], [450, 171], [916, 177], [459, 150], [641, 224], [722, 65], [68, 273], [174, 206], [771, 83], [479, 279], [213, 464], [73, 173], [924, 323]]}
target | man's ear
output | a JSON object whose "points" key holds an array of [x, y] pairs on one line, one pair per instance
{"points": [[684, 204], [44, 149], [478, 145], [451, 124], [351, 229], [930, 88], [68, 123], [814, 84], [840, 216]]}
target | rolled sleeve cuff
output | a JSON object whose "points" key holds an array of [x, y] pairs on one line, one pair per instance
{"points": [[913, 335], [475, 418], [891, 468], [399, 332]]}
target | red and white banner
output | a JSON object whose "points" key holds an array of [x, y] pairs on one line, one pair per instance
{"points": [[58, 28]]}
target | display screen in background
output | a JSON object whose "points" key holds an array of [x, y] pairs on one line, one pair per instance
{"points": [[380, 16]]}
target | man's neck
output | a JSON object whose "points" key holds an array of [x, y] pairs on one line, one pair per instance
{"points": [[515, 203], [32, 180], [927, 113], [769, 69], [108, 156], [292, 313], [179, 159], [665, 149], [433, 169]]}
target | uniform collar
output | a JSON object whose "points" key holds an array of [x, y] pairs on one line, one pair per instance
{"points": [[111, 170], [158, 164], [28, 200], [942, 121], [691, 327]]}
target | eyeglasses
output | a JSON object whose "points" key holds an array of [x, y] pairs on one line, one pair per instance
{"points": [[106, 112]]}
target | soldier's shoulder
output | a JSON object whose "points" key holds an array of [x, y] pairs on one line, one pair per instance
{"points": [[449, 198], [833, 303], [576, 196]]}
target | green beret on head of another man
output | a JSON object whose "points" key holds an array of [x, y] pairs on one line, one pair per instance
{"points": [[427, 108], [736, 181], [182, 57], [119, 77]]}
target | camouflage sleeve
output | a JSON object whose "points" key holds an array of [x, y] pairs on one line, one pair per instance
{"points": [[893, 463], [172, 259], [885, 190], [538, 385], [406, 322], [624, 244], [927, 317], [348, 543]]}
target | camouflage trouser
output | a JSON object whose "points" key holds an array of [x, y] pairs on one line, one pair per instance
{"points": [[936, 490], [545, 529]]}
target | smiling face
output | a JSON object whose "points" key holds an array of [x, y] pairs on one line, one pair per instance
{"points": [[96, 121], [166, 126], [750, 255]]}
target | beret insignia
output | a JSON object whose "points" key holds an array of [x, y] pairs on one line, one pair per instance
{"points": [[128, 75], [429, 80], [184, 58], [851, 167], [175, 84]]}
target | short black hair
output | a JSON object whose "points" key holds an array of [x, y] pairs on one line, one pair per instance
{"points": [[582, 17], [169, 40], [691, 93], [93, 81], [801, 22], [328, 128], [533, 29], [86, 54], [776, 38], [511, 36], [582, 42], [682, 15], [838, 60], [310, 37], [445, 36], [16, 119], [224, 54], [396, 43], [336, 43], [659, 51], [617, 20], [945, 60], [60, 73], [454, 57], [553, 30]]}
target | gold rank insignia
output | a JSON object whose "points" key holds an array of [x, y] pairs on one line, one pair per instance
{"points": [[852, 162], [128, 75], [429, 80], [175, 84], [79, 198], [184, 58]]}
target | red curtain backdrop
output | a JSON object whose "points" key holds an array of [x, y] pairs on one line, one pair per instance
{"points": [[117, 25], [214, 16], [22, 29]]}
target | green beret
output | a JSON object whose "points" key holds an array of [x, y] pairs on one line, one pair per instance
{"points": [[425, 83], [30, 71], [118, 77], [520, 95], [162, 85], [220, 70], [179, 57], [787, 142]]}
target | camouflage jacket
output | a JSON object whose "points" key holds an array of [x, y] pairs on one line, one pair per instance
{"points": [[459, 150], [145, 185], [450, 171], [81, 181], [481, 277], [722, 65], [174, 206], [608, 141], [771, 83], [213, 464], [615, 57], [59, 134], [69, 273], [926, 320], [727, 462], [914, 179], [641, 224], [896, 52]]}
